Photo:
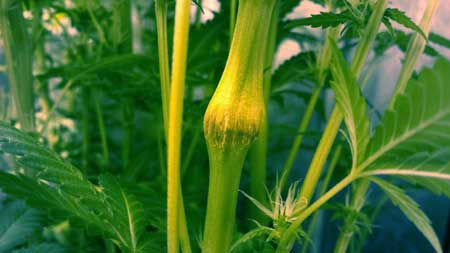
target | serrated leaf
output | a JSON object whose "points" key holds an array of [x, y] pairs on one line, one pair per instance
{"points": [[419, 121], [17, 223], [257, 232], [57, 186], [411, 210], [296, 69], [430, 170], [351, 103], [324, 20], [401, 18], [128, 212]]}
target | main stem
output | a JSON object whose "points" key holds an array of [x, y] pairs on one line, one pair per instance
{"points": [[224, 178], [181, 33], [228, 144]]}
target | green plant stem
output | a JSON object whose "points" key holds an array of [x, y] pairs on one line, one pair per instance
{"points": [[358, 200], [181, 33], [238, 101], [233, 12], [322, 64], [85, 128], [336, 117], [19, 60], [258, 152], [326, 181], [415, 50], [191, 150], [286, 241], [102, 130], [163, 54], [225, 174]]}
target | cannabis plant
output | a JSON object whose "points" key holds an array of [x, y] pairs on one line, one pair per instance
{"points": [[143, 126]]}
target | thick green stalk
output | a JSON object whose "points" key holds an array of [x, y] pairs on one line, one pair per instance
{"points": [[258, 152], [336, 117], [322, 64], [181, 33], [224, 178], [163, 54], [233, 120], [19, 60], [414, 51]]}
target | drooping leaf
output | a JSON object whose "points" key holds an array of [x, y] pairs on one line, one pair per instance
{"points": [[351, 103], [419, 122], [401, 18], [411, 210], [17, 223]]}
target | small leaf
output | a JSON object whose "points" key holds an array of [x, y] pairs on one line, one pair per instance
{"points": [[401, 18], [411, 210], [324, 20]]}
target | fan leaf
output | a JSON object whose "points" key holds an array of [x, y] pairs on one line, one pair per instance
{"points": [[411, 210], [419, 121]]}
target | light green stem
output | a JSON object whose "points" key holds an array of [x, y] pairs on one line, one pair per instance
{"points": [[233, 12], [163, 53], [322, 64], [181, 33], [358, 200], [225, 174], [336, 117], [324, 186], [102, 130], [415, 50]]}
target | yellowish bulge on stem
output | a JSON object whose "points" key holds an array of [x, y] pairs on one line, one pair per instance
{"points": [[234, 114]]}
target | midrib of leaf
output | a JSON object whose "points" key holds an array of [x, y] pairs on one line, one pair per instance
{"points": [[408, 134], [408, 173], [130, 221]]}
